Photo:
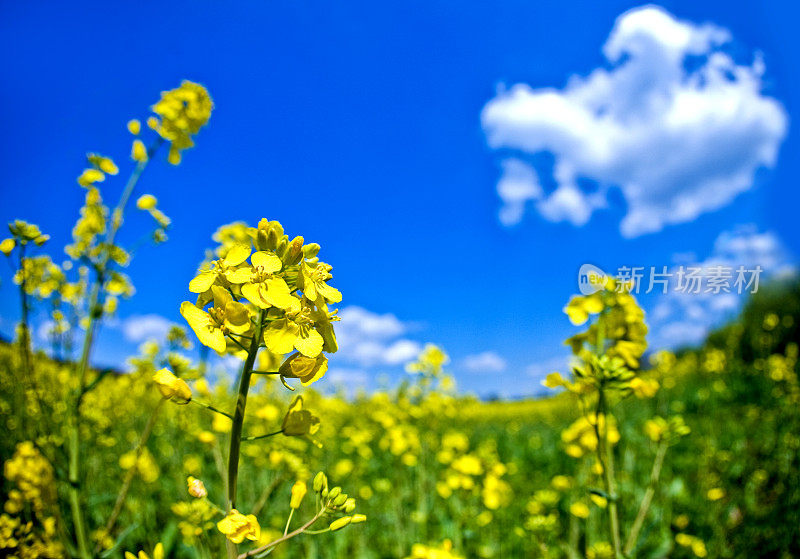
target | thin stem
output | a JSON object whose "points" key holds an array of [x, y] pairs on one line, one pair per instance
{"points": [[644, 507], [212, 408], [262, 436], [234, 340], [288, 522], [603, 451], [95, 315], [126, 484], [238, 422]]}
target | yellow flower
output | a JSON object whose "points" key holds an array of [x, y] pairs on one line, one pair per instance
{"points": [[138, 151], [206, 437], [715, 494], [158, 553], [299, 422], [294, 331], [226, 316], [644, 388], [601, 502], [104, 164], [237, 527], [196, 487], [183, 112], [146, 202], [134, 127], [656, 428], [171, 387], [307, 369], [91, 176], [299, 490], [579, 509], [259, 284], [221, 268], [312, 282], [579, 308], [7, 245]]}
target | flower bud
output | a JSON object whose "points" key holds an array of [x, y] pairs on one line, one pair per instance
{"points": [[7, 245], [298, 492], [311, 250], [196, 488], [340, 500], [358, 518], [349, 505], [340, 523], [334, 492], [320, 481]]}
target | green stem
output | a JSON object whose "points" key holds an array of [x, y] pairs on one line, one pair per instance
{"points": [[606, 457], [95, 315], [212, 408], [655, 473], [238, 422], [258, 437]]}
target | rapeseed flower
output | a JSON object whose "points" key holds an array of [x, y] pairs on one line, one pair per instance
{"points": [[236, 527]]}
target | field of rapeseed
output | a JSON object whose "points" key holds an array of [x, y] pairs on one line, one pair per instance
{"points": [[636, 454]]}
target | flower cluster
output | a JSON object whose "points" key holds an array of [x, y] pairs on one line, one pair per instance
{"points": [[272, 288]]}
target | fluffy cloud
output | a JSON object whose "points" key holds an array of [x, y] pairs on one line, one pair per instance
{"points": [[685, 318], [369, 339], [673, 122], [486, 362], [138, 328]]}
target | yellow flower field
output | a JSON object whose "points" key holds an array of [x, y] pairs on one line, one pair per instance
{"points": [[635, 454]]}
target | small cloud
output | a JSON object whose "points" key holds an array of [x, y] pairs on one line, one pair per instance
{"points": [[369, 339], [352, 378], [486, 362], [680, 318], [138, 328], [671, 120]]}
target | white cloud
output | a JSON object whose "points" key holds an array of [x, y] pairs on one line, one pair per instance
{"points": [[685, 318], [351, 378], [674, 122], [485, 362], [369, 339], [138, 328]]}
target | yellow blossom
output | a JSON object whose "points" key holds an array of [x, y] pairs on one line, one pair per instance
{"points": [[226, 316], [307, 369], [146, 202], [299, 490], [158, 553], [7, 245], [579, 509], [91, 176], [138, 151], [196, 487], [134, 127], [236, 527], [299, 422], [172, 387]]}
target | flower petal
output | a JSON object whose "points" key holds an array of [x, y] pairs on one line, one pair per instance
{"points": [[267, 260], [202, 282], [280, 336], [237, 254]]}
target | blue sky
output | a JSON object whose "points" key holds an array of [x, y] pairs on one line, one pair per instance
{"points": [[382, 130]]}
